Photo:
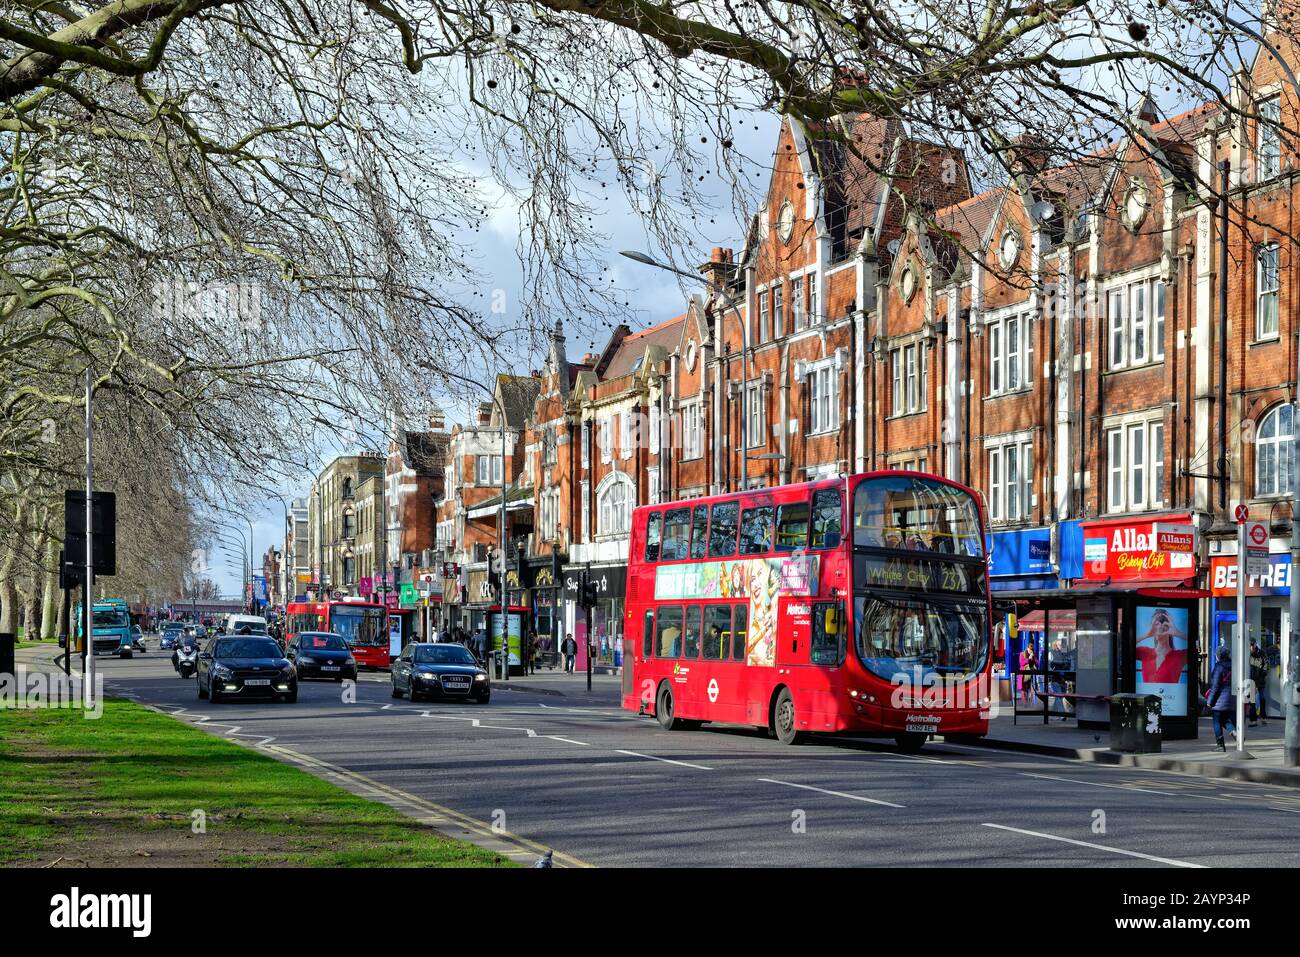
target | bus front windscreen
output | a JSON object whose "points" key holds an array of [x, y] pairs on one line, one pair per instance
{"points": [[360, 625], [913, 638], [914, 513]]}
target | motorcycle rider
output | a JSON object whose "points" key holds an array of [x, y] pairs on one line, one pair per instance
{"points": [[187, 641]]}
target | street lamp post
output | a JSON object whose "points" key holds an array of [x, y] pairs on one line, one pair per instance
{"points": [[744, 353], [248, 583], [1291, 687]]}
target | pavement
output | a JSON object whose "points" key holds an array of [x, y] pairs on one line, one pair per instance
{"points": [[547, 765], [1259, 761]]}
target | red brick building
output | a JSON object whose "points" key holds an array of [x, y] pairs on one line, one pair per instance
{"points": [[1054, 342]]}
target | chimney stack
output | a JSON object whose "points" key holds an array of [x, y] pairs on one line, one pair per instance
{"points": [[719, 269], [1029, 154]]}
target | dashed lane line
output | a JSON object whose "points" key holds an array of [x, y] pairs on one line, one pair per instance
{"points": [[654, 757], [851, 797], [1173, 862], [449, 821], [1100, 784], [446, 819]]}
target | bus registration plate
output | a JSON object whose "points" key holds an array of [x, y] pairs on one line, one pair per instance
{"points": [[922, 724]]}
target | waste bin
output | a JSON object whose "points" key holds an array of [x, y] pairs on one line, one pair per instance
{"points": [[1135, 723]]}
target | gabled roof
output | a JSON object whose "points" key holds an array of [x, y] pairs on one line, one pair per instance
{"points": [[968, 222], [631, 351], [518, 396]]}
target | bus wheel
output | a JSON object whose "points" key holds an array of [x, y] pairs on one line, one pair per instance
{"points": [[910, 742], [783, 719], [664, 710]]}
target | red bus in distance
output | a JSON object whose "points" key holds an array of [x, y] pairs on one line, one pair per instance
{"points": [[855, 604], [363, 624]]}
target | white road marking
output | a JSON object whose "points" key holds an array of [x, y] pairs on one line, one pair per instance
{"points": [[1099, 847], [851, 797], [556, 737], [1099, 784], [652, 757]]}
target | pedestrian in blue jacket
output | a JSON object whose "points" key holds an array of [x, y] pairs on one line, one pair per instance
{"points": [[1219, 697]]}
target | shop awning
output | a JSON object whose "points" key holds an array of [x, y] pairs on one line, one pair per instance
{"points": [[516, 499], [1063, 619], [1150, 587]]}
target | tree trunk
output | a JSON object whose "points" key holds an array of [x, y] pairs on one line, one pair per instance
{"points": [[8, 585], [50, 601]]}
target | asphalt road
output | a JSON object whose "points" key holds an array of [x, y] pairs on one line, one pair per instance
{"points": [[611, 788]]}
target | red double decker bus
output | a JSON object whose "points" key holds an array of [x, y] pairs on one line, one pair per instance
{"points": [[856, 604], [363, 624]]}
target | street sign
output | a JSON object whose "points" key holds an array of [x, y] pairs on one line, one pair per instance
{"points": [[1257, 560], [1175, 537], [1242, 512]]}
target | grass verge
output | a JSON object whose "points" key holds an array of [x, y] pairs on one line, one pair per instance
{"points": [[124, 790]]}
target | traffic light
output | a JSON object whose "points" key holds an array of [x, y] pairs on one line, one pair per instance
{"points": [[589, 591]]}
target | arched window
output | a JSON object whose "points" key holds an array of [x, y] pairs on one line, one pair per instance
{"points": [[1275, 452], [614, 503]]}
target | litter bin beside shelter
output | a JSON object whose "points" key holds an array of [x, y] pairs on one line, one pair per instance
{"points": [[1135, 723]]}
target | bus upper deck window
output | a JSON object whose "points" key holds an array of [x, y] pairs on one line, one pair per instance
{"points": [[700, 532], [756, 531], [677, 532], [826, 519], [722, 531], [652, 538], [792, 527]]}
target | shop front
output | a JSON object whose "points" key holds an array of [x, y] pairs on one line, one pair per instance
{"points": [[1033, 615], [605, 628], [546, 601], [1268, 618], [478, 596], [1137, 623]]}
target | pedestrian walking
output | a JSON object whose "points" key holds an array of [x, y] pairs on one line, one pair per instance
{"points": [[569, 648], [1259, 675], [1220, 699], [529, 646]]}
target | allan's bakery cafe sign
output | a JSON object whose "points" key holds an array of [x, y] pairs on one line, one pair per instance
{"points": [[1124, 550]]}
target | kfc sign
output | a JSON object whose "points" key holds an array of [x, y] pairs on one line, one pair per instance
{"points": [[1128, 551]]}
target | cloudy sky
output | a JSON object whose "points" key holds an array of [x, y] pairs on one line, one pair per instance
{"points": [[654, 296]]}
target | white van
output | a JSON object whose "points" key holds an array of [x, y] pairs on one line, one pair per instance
{"points": [[254, 623]]}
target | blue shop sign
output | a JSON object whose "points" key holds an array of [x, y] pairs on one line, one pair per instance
{"points": [[1022, 559], [1025, 551]]}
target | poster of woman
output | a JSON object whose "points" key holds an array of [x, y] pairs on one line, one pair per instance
{"points": [[1162, 657]]}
